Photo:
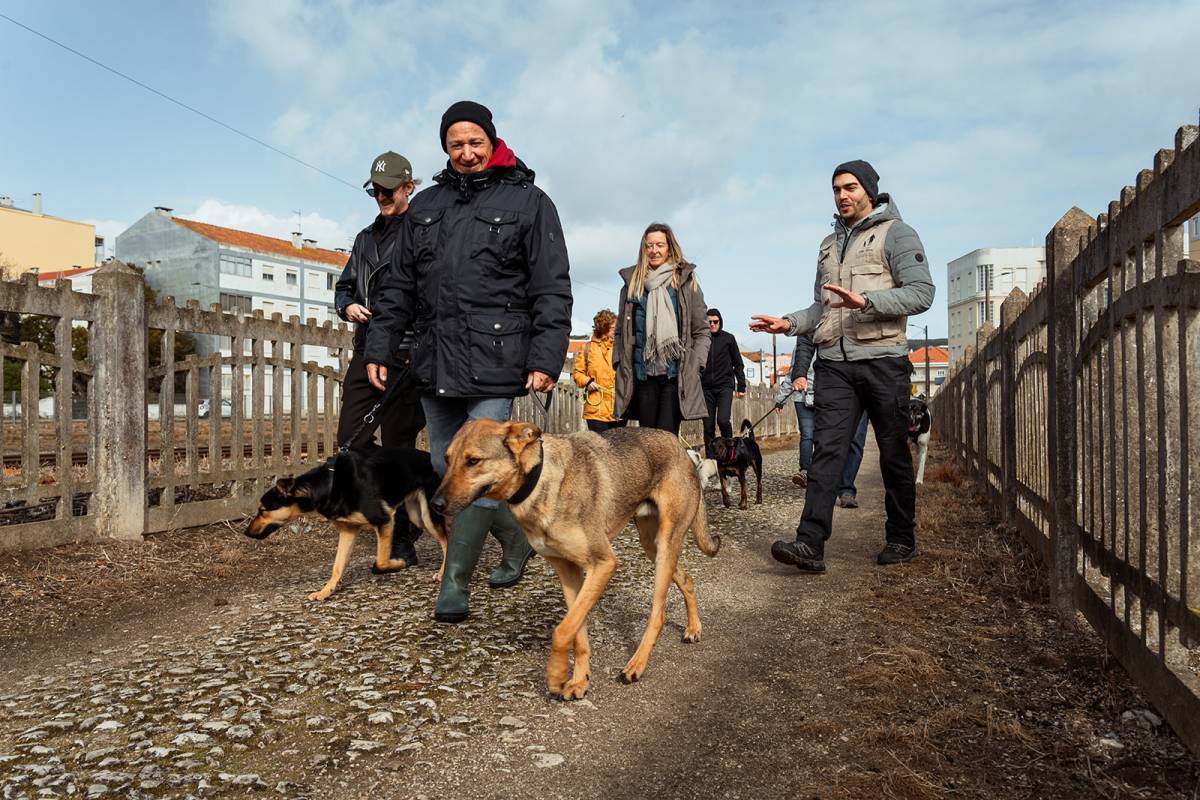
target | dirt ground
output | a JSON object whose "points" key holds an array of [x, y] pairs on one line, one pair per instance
{"points": [[945, 677]]}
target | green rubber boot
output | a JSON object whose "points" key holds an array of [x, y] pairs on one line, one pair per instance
{"points": [[462, 553], [517, 551]]}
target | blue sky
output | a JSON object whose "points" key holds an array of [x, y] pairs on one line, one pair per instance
{"points": [[986, 121]]}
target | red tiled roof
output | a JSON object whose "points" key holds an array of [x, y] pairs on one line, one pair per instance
{"points": [[936, 355], [263, 244], [63, 273], [575, 345]]}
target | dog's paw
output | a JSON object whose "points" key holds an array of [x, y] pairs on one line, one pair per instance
{"points": [[628, 676], [743, 505], [574, 690], [691, 637], [321, 595], [391, 566]]}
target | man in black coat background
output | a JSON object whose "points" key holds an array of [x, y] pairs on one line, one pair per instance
{"points": [[722, 374]]}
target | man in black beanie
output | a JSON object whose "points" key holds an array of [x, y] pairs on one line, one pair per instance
{"points": [[871, 275], [481, 275]]}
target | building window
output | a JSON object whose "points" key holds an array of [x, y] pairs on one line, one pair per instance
{"points": [[986, 278], [234, 265], [268, 308], [291, 311], [1194, 224], [290, 278], [235, 302], [268, 274], [331, 279]]}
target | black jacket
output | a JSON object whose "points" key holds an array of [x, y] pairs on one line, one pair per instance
{"points": [[361, 274], [724, 362], [481, 275]]}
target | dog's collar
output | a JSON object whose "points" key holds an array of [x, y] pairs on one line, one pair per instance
{"points": [[531, 481]]}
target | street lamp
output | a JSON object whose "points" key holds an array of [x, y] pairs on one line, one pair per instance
{"points": [[987, 293], [926, 329]]}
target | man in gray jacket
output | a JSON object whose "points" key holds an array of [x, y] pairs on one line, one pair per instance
{"points": [[871, 275]]}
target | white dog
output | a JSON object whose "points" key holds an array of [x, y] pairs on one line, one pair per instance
{"points": [[706, 468]]}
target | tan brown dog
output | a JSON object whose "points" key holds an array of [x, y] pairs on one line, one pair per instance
{"points": [[572, 495]]}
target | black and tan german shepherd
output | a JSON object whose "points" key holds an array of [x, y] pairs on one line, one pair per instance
{"points": [[353, 490], [734, 455]]}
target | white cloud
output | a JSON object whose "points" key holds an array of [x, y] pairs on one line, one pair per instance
{"points": [[986, 121], [328, 233]]}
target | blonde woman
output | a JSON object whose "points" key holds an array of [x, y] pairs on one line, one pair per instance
{"points": [[662, 336], [594, 373]]}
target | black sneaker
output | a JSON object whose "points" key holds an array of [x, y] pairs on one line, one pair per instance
{"points": [[895, 553], [848, 501], [800, 555]]}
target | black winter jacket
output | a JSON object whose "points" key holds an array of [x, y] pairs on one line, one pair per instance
{"points": [[362, 272], [481, 275], [724, 362]]}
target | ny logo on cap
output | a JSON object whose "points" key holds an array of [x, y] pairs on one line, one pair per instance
{"points": [[380, 165]]}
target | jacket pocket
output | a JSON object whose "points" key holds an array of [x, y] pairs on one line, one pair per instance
{"points": [[494, 236], [425, 227], [868, 277], [499, 347]]}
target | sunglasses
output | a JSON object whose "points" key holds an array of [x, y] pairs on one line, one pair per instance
{"points": [[375, 189], [714, 322]]}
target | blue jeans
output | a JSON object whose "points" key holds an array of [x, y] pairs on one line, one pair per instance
{"points": [[854, 459], [445, 415], [805, 416]]}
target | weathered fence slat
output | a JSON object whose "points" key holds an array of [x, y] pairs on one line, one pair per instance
{"points": [[1110, 476]]}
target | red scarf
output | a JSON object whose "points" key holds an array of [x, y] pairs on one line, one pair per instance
{"points": [[502, 156]]}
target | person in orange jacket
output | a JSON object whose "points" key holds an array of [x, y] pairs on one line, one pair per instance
{"points": [[594, 373]]}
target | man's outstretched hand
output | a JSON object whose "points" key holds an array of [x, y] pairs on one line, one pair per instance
{"points": [[849, 299], [765, 324]]}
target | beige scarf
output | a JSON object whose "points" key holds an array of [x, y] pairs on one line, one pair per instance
{"points": [[662, 327]]}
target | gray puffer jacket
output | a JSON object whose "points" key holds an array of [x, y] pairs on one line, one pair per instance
{"points": [[913, 292]]}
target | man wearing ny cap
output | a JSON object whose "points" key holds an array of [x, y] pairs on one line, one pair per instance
{"points": [[390, 185], [481, 275], [871, 275]]}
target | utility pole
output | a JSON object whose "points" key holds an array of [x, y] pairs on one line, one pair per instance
{"points": [[774, 361]]}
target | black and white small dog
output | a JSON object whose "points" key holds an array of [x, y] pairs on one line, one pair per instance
{"points": [[920, 420]]}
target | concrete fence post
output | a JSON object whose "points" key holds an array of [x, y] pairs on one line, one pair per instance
{"points": [[982, 334], [1062, 248], [119, 339], [1010, 309]]}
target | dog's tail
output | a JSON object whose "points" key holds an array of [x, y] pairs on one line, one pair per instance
{"points": [[746, 426], [709, 545]]}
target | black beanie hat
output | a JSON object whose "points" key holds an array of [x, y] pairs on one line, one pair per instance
{"points": [[866, 174], [468, 111]]}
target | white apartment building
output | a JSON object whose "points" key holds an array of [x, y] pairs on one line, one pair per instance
{"points": [[245, 271], [978, 284]]}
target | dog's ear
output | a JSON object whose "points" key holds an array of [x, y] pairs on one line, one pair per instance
{"points": [[520, 435], [285, 485]]}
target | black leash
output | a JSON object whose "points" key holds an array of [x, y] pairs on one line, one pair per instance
{"points": [[778, 405], [394, 380]]}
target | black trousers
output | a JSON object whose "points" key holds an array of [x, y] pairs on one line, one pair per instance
{"points": [[401, 420], [719, 400], [600, 426], [844, 390], [658, 403]]}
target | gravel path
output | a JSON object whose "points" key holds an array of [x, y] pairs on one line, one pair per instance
{"points": [[864, 682]]}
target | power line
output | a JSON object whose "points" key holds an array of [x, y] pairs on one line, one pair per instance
{"points": [[179, 103]]}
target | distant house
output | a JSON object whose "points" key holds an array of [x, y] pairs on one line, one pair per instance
{"points": [[242, 271], [939, 363], [31, 241], [81, 278]]}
